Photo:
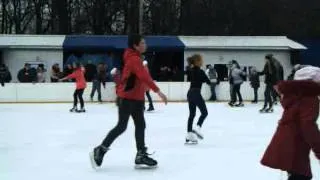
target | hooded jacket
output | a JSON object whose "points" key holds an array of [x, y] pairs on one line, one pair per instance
{"points": [[134, 77]]}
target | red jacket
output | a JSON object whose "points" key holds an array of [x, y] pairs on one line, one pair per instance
{"points": [[78, 75], [297, 132], [133, 66]]}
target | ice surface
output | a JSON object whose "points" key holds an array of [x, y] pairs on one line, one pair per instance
{"points": [[45, 141]]}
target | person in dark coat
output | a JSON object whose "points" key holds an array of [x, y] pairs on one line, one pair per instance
{"points": [[91, 70], [67, 71], [297, 131], [5, 75], [27, 74], [255, 83], [280, 76], [270, 73], [99, 78], [213, 76]]}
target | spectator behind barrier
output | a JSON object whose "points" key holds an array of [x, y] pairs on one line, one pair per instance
{"points": [[5, 75], [27, 74], [67, 71], [41, 74], [56, 74]]}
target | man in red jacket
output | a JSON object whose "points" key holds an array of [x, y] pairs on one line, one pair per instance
{"points": [[297, 132], [131, 90]]}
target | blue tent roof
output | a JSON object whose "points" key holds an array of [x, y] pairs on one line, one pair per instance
{"points": [[155, 43]]}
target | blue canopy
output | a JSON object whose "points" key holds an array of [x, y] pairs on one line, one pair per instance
{"points": [[104, 43]]}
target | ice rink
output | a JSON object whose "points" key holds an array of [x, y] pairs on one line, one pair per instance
{"points": [[46, 141]]}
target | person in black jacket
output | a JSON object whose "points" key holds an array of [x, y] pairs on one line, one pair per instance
{"points": [[27, 74], [5, 75], [99, 78], [270, 73], [280, 77], [255, 83], [195, 99]]}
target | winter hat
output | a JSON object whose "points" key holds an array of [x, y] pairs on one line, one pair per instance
{"points": [[145, 62], [308, 73], [113, 71]]}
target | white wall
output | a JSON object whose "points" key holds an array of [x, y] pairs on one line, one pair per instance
{"points": [[62, 92], [16, 58], [244, 57]]}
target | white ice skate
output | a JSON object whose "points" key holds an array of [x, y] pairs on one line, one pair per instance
{"points": [[191, 138], [197, 131]]}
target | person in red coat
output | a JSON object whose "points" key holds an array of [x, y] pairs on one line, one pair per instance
{"points": [[297, 132], [131, 92], [81, 84]]}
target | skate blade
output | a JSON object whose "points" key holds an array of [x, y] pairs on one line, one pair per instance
{"points": [[191, 143], [93, 162], [198, 135], [144, 167]]}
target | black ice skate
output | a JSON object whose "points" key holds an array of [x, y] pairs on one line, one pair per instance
{"points": [[74, 109], [96, 156], [82, 110], [231, 104], [266, 110], [239, 105], [151, 108], [143, 161], [254, 102]]}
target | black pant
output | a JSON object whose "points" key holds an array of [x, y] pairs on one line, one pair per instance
{"points": [[255, 91], [96, 86], [149, 99], [236, 92], [298, 177], [126, 109], [195, 100], [275, 95], [268, 95], [213, 92], [78, 94]]}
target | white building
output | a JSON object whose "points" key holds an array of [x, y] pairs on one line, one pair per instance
{"points": [[16, 50]]}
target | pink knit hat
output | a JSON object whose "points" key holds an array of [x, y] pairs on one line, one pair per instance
{"points": [[308, 73]]}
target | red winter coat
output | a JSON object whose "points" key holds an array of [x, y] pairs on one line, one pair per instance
{"points": [[133, 66], [297, 132], [78, 75]]}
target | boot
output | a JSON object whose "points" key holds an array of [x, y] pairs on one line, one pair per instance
{"points": [[191, 138], [197, 131], [151, 108], [96, 156], [143, 160], [74, 109]]}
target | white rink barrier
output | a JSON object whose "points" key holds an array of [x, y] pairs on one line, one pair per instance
{"points": [[63, 92]]}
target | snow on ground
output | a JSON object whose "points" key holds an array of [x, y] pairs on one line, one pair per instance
{"points": [[46, 141]]}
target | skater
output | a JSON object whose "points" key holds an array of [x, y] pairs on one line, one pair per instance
{"points": [[280, 77], [213, 76], [100, 77], [151, 107], [270, 73], [297, 132], [81, 84], [237, 79], [131, 92], [195, 99], [255, 83]]}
